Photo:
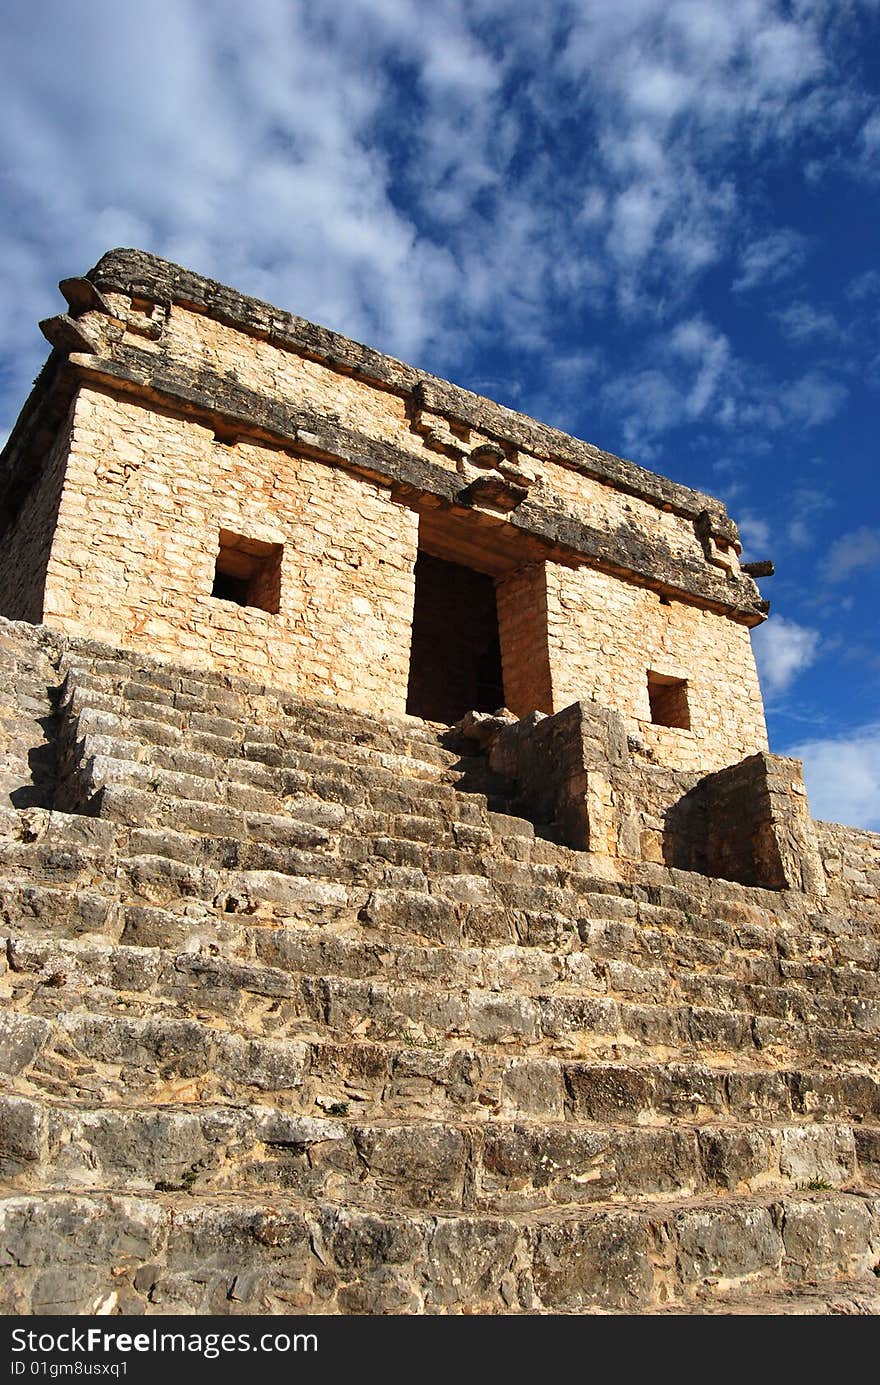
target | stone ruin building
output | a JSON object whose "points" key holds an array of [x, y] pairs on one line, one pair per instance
{"points": [[403, 910]]}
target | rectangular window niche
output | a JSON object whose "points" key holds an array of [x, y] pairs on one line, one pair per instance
{"points": [[248, 572], [668, 698]]}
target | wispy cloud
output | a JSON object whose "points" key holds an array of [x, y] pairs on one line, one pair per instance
{"points": [[842, 775], [770, 258], [389, 168], [783, 650], [813, 399], [802, 322], [755, 534], [858, 549], [808, 505]]}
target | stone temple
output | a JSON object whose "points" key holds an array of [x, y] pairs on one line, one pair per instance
{"points": [[403, 911]]}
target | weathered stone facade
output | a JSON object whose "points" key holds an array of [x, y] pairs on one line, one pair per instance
{"points": [[145, 500], [313, 1005], [186, 421]]}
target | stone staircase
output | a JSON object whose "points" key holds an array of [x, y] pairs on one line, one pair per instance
{"points": [[302, 1017]]}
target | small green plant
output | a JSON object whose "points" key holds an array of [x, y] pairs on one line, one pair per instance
{"points": [[186, 1183], [818, 1185]]}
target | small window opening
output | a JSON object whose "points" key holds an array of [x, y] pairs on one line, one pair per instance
{"points": [[248, 572], [668, 700]]}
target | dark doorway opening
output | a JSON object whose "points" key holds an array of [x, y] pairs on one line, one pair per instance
{"points": [[455, 660]]}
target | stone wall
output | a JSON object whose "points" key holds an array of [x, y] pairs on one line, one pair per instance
{"points": [[147, 494], [575, 773], [522, 624], [749, 822], [145, 498], [29, 679], [196, 342], [851, 858], [605, 635], [27, 531]]}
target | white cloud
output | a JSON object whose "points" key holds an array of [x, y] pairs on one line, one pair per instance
{"points": [[755, 535], [690, 373], [802, 322], [768, 259], [593, 205], [649, 403], [429, 178], [813, 399], [842, 775], [849, 553], [783, 650], [864, 286], [869, 141], [698, 343], [806, 506], [634, 224]]}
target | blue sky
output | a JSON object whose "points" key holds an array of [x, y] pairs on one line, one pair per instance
{"points": [[650, 222]]}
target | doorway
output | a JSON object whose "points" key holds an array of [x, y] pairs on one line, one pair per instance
{"points": [[455, 658]]}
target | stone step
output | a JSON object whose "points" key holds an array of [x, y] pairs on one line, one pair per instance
{"points": [[180, 1253], [117, 1056], [244, 883], [282, 772], [562, 1019], [166, 695], [511, 968], [154, 792], [515, 973], [278, 748], [60, 912], [489, 1167], [833, 1297], [821, 951], [49, 863], [293, 960], [717, 914], [463, 825]]}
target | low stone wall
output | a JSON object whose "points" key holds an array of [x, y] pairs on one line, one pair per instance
{"points": [[28, 682], [851, 858], [749, 822]]}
